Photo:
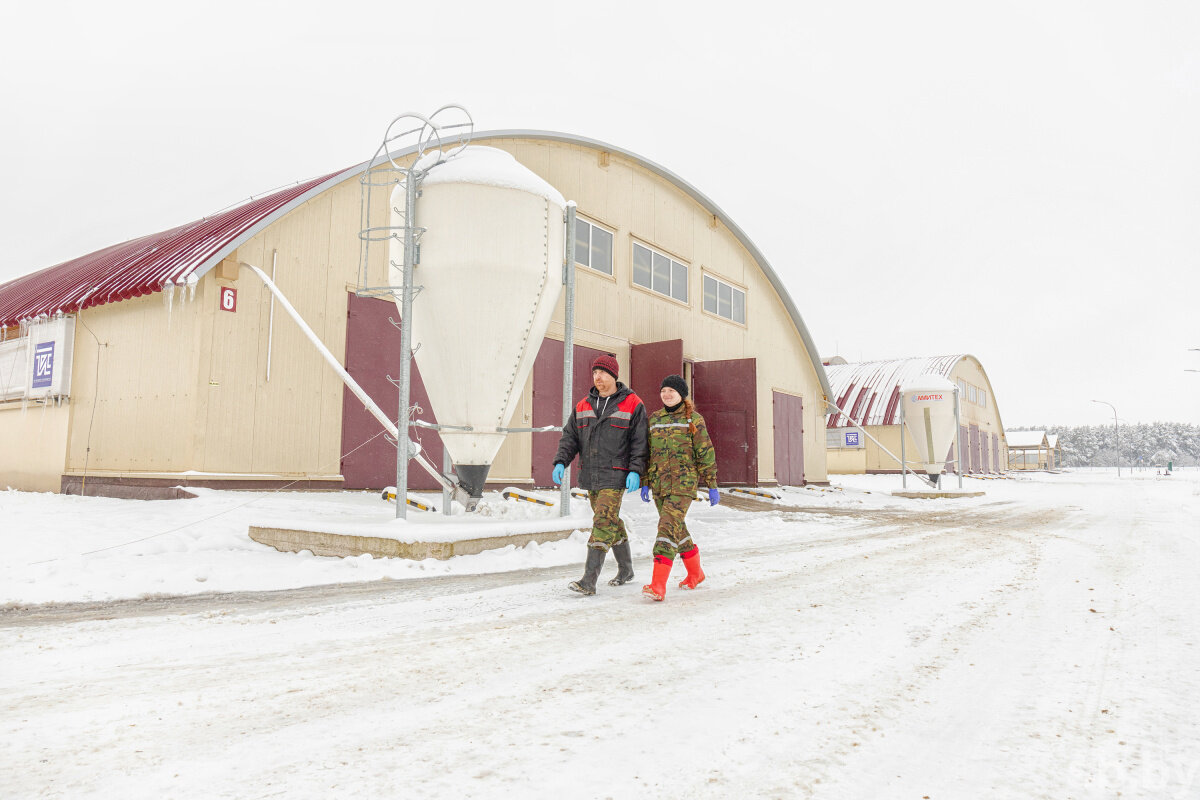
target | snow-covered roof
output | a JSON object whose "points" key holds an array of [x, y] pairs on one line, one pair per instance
{"points": [[869, 392], [1052, 439], [1025, 438]]}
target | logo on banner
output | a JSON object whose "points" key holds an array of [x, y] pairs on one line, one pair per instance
{"points": [[917, 398], [851, 438], [43, 365]]}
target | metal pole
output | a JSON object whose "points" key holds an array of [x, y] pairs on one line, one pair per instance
{"points": [[1117, 427], [406, 301], [903, 446], [446, 465], [958, 454], [564, 498]]}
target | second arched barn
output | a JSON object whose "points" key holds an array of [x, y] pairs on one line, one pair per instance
{"points": [[868, 394]]}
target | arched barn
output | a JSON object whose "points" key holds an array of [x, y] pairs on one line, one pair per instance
{"points": [[160, 362], [869, 394]]}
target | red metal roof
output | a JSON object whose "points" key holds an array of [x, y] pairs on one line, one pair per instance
{"points": [[142, 266], [873, 387]]}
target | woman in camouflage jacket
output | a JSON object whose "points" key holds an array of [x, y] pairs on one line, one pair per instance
{"points": [[681, 460]]}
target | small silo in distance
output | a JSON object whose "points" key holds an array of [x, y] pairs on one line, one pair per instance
{"points": [[490, 268], [928, 402]]}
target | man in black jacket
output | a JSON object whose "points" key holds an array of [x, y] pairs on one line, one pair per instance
{"points": [[608, 432]]}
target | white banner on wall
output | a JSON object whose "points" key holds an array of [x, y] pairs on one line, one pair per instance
{"points": [[844, 439], [37, 364]]}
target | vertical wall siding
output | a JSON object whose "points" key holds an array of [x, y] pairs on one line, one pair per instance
{"points": [[143, 419], [291, 424], [35, 443]]}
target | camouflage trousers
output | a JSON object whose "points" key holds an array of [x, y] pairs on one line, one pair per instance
{"points": [[673, 535], [607, 528]]}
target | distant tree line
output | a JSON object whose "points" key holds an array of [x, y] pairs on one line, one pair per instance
{"points": [[1151, 444]]}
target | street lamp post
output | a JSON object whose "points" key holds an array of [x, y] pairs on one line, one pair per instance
{"points": [[1117, 427]]}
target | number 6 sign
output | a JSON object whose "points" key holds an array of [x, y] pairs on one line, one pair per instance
{"points": [[228, 298]]}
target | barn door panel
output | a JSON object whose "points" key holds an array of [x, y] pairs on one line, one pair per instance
{"points": [[788, 412], [726, 395], [547, 401], [976, 462], [372, 354], [649, 364]]}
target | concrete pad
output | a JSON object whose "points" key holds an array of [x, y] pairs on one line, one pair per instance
{"points": [[934, 495], [322, 543]]}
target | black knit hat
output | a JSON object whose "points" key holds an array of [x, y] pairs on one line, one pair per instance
{"points": [[676, 383]]}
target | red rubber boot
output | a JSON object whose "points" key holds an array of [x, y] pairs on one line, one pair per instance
{"points": [[657, 588], [695, 575]]}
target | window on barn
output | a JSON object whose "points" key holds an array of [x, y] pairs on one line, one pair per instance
{"points": [[724, 300], [660, 273], [593, 246]]}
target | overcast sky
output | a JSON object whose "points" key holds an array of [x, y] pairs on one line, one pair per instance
{"points": [[1018, 181]]}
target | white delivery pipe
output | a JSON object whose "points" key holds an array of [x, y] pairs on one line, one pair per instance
{"points": [[413, 449]]}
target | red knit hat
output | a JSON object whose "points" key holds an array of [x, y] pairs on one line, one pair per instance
{"points": [[607, 363]]}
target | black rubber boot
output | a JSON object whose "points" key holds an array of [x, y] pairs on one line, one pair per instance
{"points": [[591, 571], [624, 564]]}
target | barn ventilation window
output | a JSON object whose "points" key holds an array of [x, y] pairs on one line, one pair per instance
{"points": [[593, 246], [724, 300], [660, 273]]}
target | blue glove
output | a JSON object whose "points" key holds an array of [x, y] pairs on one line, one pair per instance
{"points": [[632, 482], [714, 497], [557, 474], [645, 494]]}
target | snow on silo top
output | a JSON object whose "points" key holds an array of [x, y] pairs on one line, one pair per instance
{"points": [[488, 166]]}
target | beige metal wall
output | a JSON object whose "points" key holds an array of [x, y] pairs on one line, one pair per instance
{"points": [[612, 313], [33, 442], [187, 393], [134, 390]]}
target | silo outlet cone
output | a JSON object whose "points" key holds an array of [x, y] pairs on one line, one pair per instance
{"points": [[472, 477]]}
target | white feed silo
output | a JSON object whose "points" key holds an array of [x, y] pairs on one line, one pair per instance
{"points": [[928, 412], [490, 269]]}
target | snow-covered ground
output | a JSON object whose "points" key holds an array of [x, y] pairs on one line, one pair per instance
{"points": [[1040, 641]]}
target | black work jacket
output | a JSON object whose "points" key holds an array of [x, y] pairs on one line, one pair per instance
{"points": [[609, 434]]}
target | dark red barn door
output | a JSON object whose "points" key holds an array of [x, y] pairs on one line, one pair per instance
{"points": [[372, 354], [789, 438], [650, 363], [976, 462], [725, 394], [964, 458], [547, 401]]}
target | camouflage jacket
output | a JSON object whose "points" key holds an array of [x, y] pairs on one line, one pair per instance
{"points": [[680, 460]]}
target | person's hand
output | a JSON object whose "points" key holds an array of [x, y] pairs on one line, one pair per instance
{"points": [[557, 474], [645, 494], [714, 497], [632, 482]]}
